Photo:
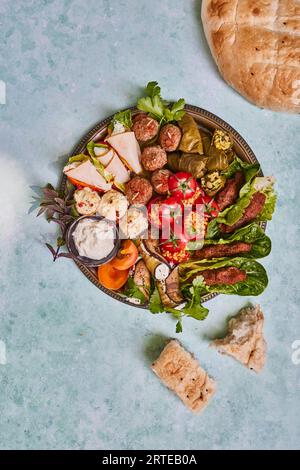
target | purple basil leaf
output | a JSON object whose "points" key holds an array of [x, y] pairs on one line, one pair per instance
{"points": [[41, 211], [50, 248], [65, 255]]}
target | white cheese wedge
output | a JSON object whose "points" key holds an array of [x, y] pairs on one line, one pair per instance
{"points": [[128, 149], [118, 170], [87, 174]]}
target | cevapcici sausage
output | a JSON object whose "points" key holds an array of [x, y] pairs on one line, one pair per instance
{"points": [[223, 250], [229, 275], [255, 207], [230, 192]]}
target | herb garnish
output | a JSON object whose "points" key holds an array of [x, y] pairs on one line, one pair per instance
{"points": [[158, 108]]}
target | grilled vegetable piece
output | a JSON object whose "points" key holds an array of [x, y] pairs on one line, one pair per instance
{"points": [[142, 278], [163, 294], [191, 140], [173, 287], [156, 264], [191, 163], [212, 182]]}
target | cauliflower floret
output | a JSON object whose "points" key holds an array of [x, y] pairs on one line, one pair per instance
{"points": [[113, 205], [86, 201]]}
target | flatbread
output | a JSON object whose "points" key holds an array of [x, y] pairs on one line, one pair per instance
{"points": [[256, 45]]}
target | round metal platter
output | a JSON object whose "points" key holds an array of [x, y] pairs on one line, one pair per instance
{"points": [[205, 120]]}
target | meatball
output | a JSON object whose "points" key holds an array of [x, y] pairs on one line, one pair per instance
{"points": [[169, 137], [139, 116], [159, 180], [153, 157], [138, 190], [145, 128]]}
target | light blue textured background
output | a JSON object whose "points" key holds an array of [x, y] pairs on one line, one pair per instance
{"points": [[77, 372]]}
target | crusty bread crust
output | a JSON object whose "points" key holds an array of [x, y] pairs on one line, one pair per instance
{"points": [[181, 372], [256, 45]]}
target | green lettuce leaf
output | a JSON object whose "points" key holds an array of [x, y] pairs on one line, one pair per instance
{"points": [[249, 169], [81, 157], [212, 231], [255, 284], [122, 117], [90, 148], [269, 208], [101, 169], [133, 291], [252, 233]]}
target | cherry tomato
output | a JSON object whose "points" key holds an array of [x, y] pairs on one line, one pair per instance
{"points": [[126, 256], [211, 208], [174, 249], [182, 185]]}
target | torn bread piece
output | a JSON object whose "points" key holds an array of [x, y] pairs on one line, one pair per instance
{"points": [[244, 340], [181, 372]]}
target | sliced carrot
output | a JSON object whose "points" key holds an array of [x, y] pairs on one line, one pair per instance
{"points": [[112, 278], [126, 256]]}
